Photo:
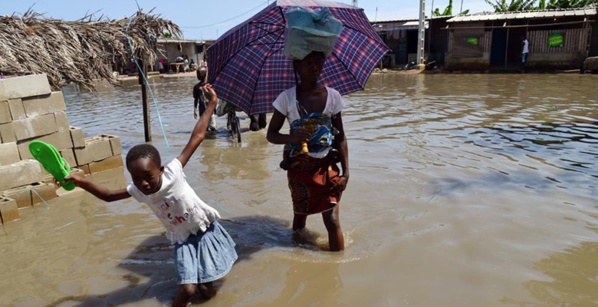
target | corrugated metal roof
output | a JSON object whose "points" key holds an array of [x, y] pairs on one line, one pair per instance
{"points": [[524, 15], [179, 41], [398, 25]]}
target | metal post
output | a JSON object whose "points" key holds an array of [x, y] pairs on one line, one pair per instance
{"points": [[146, 118], [422, 32]]}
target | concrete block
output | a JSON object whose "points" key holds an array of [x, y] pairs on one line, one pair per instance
{"points": [[40, 105], [34, 127], [25, 86], [8, 210], [43, 192], [17, 111], [9, 153], [5, 112], [85, 169], [7, 132], [22, 195], [83, 156], [62, 122], [59, 140], [69, 156], [106, 164], [117, 148], [96, 149], [20, 174], [50, 180], [77, 137]]}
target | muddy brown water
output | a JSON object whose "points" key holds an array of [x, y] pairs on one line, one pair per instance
{"points": [[466, 190]]}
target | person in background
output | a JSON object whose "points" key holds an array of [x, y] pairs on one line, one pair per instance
{"points": [[524, 52], [199, 98]]}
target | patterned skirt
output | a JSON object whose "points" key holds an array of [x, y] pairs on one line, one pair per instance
{"points": [[310, 182]]}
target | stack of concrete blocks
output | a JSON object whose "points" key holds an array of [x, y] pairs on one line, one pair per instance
{"points": [[29, 110]]}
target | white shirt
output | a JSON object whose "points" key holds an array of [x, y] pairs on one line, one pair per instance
{"points": [[176, 205], [525, 46], [286, 104]]}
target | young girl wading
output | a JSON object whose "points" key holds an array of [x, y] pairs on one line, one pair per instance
{"points": [[314, 114]]}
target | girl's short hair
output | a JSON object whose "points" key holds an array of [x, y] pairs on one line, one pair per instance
{"points": [[144, 151]]}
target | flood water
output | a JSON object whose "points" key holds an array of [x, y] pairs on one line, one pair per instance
{"points": [[466, 190]]}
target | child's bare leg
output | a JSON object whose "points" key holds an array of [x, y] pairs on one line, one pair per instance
{"points": [[299, 221], [207, 290], [184, 295], [335, 233]]}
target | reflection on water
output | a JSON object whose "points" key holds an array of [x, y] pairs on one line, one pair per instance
{"points": [[466, 190]]}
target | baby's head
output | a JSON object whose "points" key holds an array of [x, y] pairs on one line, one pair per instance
{"points": [[143, 162]]}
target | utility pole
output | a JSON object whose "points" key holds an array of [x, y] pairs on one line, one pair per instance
{"points": [[354, 3], [422, 33]]}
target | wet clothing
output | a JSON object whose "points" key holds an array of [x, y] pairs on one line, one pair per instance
{"points": [[203, 249], [311, 176], [176, 205], [205, 257], [287, 105], [310, 180]]}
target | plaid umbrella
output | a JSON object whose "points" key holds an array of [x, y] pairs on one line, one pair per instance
{"points": [[248, 68]]}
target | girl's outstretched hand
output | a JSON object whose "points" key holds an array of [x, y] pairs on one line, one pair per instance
{"points": [[74, 178]]}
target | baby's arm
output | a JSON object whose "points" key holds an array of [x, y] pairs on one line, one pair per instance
{"points": [[98, 191]]}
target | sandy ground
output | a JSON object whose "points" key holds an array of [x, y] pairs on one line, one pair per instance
{"points": [[150, 76]]}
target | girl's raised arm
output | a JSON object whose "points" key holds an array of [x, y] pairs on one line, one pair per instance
{"points": [[199, 132]]}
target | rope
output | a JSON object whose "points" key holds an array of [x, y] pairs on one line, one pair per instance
{"points": [[48, 208], [148, 85]]}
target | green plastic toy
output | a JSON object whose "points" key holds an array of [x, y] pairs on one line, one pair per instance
{"points": [[52, 162]]}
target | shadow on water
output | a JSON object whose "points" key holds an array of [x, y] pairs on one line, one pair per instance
{"points": [[151, 270]]}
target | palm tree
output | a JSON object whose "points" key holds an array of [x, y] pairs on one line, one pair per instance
{"points": [[566, 4], [501, 6], [448, 11]]}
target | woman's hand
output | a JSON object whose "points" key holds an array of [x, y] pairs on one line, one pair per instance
{"points": [[300, 135], [340, 185]]}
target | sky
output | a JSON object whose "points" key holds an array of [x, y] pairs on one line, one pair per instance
{"points": [[205, 19]]}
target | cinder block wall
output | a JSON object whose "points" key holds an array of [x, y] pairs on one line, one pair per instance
{"points": [[29, 110]]}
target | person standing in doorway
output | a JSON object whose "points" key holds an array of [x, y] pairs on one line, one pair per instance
{"points": [[524, 52]]}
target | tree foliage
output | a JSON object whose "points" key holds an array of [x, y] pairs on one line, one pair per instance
{"points": [[501, 6], [448, 11]]}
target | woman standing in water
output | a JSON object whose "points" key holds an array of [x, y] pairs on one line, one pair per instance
{"points": [[314, 114]]}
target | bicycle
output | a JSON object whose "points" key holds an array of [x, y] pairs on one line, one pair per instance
{"points": [[232, 121], [233, 125]]}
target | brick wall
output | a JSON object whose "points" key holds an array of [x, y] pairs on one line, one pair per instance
{"points": [[30, 110]]}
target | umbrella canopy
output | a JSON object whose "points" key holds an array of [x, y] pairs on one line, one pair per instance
{"points": [[248, 68]]}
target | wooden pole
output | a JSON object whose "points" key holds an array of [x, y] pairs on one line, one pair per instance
{"points": [[146, 118], [421, 33]]}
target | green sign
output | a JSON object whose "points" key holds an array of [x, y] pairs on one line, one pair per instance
{"points": [[556, 40], [473, 40]]}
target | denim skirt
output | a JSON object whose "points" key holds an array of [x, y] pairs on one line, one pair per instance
{"points": [[206, 256]]}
